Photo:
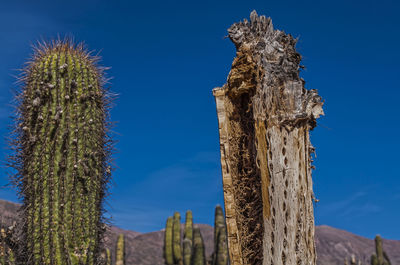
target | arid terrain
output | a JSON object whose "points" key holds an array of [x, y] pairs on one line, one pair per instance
{"points": [[333, 245]]}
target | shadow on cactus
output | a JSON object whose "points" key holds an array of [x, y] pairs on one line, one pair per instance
{"points": [[61, 154]]}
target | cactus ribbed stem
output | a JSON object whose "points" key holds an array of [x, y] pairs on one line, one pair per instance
{"points": [[188, 238], [120, 251], [380, 258], [168, 245], [108, 256], [221, 257], [187, 251], [188, 233], [62, 156], [219, 223], [198, 255], [176, 239]]}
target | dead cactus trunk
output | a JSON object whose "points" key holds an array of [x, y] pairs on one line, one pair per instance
{"points": [[265, 115]]}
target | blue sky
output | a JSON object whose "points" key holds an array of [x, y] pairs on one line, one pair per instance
{"points": [[167, 56]]}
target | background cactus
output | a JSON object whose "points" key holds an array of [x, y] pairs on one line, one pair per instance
{"points": [[198, 256], [353, 261], [380, 258], [188, 238], [120, 251], [108, 256], [176, 239], [168, 248], [61, 156], [220, 254], [221, 249], [192, 247]]}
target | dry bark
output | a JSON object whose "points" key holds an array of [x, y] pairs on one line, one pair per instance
{"points": [[265, 115]]}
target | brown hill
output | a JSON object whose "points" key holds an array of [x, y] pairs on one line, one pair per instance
{"points": [[333, 245]]}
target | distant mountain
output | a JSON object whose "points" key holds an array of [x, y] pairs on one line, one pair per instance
{"points": [[333, 245]]}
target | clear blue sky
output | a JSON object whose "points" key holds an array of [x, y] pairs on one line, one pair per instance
{"points": [[167, 56]]}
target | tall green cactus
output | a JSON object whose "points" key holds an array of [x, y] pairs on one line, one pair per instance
{"points": [[61, 155], [120, 251], [188, 238], [108, 256], [176, 239], [220, 254], [168, 245], [187, 251], [198, 255], [380, 258], [221, 257]]}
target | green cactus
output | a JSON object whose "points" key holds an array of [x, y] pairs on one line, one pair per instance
{"points": [[198, 255], [221, 257], [176, 239], [188, 233], [380, 258], [108, 256], [120, 251], [188, 238], [187, 251], [168, 246], [220, 254], [61, 155]]}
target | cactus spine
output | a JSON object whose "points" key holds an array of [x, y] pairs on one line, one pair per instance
{"points": [[120, 251], [198, 256], [380, 258], [61, 154]]}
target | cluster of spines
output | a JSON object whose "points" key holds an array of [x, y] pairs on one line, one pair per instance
{"points": [[380, 257], [191, 251], [61, 154]]}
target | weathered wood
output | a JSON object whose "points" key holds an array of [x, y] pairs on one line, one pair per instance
{"points": [[265, 115]]}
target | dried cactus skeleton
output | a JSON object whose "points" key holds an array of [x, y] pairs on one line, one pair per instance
{"points": [[265, 115]]}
